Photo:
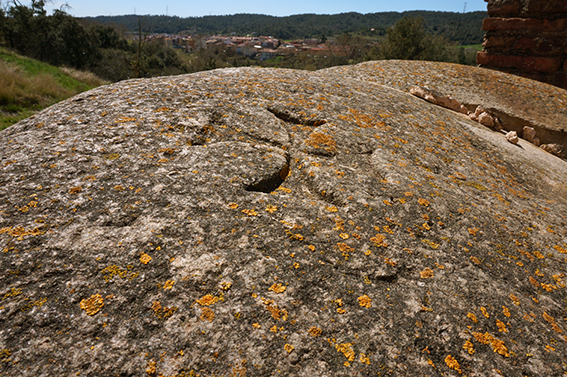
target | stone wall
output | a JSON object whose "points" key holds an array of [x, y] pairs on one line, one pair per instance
{"points": [[527, 38]]}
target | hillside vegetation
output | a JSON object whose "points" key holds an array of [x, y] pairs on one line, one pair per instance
{"points": [[460, 28], [28, 85]]}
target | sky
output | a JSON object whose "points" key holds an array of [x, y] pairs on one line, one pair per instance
{"points": [[185, 8]]}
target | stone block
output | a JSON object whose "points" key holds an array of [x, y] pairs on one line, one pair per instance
{"points": [[546, 6], [524, 25], [524, 63], [504, 7]]}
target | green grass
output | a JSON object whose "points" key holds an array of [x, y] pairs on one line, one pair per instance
{"points": [[28, 86], [473, 47]]}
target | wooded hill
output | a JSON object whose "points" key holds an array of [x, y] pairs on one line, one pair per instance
{"points": [[461, 28]]}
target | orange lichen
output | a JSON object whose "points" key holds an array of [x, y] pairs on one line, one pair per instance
{"points": [[506, 311], [233, 205], [277, 288], [270, 208], [484, 312], [315, 331], [168, 284], [93, 304], [496, 344], [472, 317], [423, 202], [515, 299], [250, 212], [379, 240], [468, 346], [318, 138], [427, 273], [364, 359], [207, 300], [501, 326], [289, 348], [207, 315], [145, 258], [75, 190], [453, 363], [365, 301], [346, 349]]}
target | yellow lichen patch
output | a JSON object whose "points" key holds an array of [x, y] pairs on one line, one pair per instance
{"points": [[346, 349], [365, 301], [75, 190], [432, 244], [501, 326], [379, 240], [274, 329], [427, 273], [515, 299], [168, 284], [233, 206], [560, 249], [277, 288], [317, 138], [207, 300], [109, 272], [151, 368], [364, 359], [315, 331], [256, 325], [344, 248], [13, 293], [496, 344], [145, 258], [423, 202], [453, 363], [484, 312], [534, 282], [506, 311], [207, 315], [472, 317], [93, 304], [344, 236], [473, 231], [475, 260], [289, 348], [270, 208], [20, 232], [311, 247], [468, 346], [225, 285], [250, 212], [276, 312], [331, 208]]}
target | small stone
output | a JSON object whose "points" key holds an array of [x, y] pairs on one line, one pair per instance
{"points": [[529, 134], [497, 124], [512, 137], [554, 149], [486, 119]]}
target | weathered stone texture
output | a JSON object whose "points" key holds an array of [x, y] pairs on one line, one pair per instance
{"points": [[276, 222], [527, 38]]}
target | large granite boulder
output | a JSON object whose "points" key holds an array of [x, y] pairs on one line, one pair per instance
{"points": [[277, 222]]}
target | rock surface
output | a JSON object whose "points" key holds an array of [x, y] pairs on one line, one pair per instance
{"points": [[277, 222]]}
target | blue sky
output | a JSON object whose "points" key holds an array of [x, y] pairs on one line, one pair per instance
{"points": [[185, 8]]}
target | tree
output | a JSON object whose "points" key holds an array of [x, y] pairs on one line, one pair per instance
{"points": [[408, 40]]}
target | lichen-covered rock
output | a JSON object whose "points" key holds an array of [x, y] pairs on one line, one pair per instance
{"points": [[277, 222]]}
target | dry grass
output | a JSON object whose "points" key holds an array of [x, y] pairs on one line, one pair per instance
{"points": [[86, 77]]}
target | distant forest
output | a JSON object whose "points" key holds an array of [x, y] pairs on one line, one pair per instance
{"points": [[460, 28]]}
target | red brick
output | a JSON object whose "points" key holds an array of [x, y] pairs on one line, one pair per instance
{"points": [[495, 41], [503, 8], [547, 6], [523, 63], [524, 24]]}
